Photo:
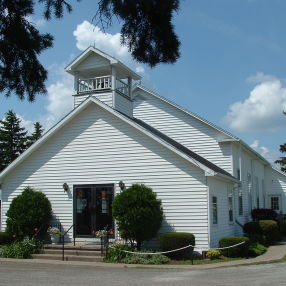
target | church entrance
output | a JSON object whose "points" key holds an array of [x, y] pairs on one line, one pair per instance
{"points": [[92, 209]]}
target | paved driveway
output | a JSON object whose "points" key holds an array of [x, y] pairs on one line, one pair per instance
{"points": [[14, 273]]}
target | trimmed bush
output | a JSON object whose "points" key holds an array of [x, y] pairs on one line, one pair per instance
{"points": [[264, 231], [256, 249], [263, 214], [29, 211], [213, 254], [174, 240], [238, 251], [145, 259], [20, 249], [5, 238], [282, 227], [138, 214]]}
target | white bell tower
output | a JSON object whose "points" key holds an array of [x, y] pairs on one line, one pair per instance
{"points": [[100, 75]]}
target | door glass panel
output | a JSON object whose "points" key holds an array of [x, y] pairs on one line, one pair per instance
{"points": [[83, 200]]}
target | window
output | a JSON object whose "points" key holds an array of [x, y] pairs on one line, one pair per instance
{"points": [[230, 208], [238, 174], [240, 203], [214, 209], [275, 203]]}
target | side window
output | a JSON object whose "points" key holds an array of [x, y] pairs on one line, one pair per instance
{"points": [[240, 203], [238, 174], [214, 210], [230, 208], [275, 204]]}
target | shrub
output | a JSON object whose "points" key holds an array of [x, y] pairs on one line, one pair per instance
{"points": [[138, 214], [263, 214], [256, 249], [282, 227], [115, 253], [5, 238], [28, 211], [213, 254], [238, 251], [264, 231], [174, 240], [20, 249], [145, 259]]}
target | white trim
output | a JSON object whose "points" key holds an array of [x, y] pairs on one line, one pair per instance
{"points": [[77, 110], [111, 59]]}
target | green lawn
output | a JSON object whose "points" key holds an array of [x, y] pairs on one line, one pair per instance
{"points": [[205, 261]]}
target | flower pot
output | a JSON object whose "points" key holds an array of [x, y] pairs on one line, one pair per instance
{"points": [[55, 239]]}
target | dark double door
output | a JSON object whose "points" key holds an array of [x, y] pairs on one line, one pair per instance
{"points": [[92, 209]]}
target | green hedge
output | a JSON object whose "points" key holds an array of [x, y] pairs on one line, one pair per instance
{"points": [[238, 251], [282, 227], [174, 240], [264, 231], [256, 249], [5, 238]]}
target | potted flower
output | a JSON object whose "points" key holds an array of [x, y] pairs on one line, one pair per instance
{"points": [[55, 234]]}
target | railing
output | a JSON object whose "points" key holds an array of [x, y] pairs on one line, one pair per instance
{"points": [[122, 87], [94, 84], [63, 240]]}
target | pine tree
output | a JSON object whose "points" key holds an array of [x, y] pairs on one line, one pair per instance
{"points": [[12, 139], [38, 131], [282, 160]]}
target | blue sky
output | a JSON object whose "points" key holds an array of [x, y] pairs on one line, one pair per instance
{"points": [[231, 70]]}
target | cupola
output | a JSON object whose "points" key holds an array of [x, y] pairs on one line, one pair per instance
{"points": [[100, 75]]}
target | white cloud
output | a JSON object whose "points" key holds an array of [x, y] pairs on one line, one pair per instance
{"points": [[262, 110], [26, 123], [38, 23], [87, 34], [60, 100], [261, 77], [270, 155]]}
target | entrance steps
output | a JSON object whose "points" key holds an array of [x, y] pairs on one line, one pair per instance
{"points": [[87, 253]]}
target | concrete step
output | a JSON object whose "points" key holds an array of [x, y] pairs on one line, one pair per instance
{"points": [[68, 257], [72, 252]]}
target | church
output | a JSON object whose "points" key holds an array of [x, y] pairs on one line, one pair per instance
{"points": [[120, 133]]}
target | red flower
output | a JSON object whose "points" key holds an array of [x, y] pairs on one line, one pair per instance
{"points": [[35, 229], [14, 235]]}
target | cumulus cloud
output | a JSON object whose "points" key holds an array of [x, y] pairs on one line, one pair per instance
{"points": [[26, 123], [262, 110], [270, 155], [87, 34], [59, 98]]}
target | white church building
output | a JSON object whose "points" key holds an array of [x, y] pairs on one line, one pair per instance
{"points": [[207, 179]]}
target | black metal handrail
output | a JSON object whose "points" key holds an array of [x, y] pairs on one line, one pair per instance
{"points": [[63, 240]]}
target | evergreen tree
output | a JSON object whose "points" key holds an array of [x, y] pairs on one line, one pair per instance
{"points": [[12, 139], [282, 160], [147, 31], [38, 131]]}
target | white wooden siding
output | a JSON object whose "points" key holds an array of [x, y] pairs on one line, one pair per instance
{"points": [[223, 227], [92, 61], [275, 185], [123, 104], [96, 147], [185, 129], [104, 97]]}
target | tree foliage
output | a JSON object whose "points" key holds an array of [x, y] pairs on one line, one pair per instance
{"points": [[138, 213], [282, 160], [27, 212], [147, 31], [38, 132], [12, 139]]}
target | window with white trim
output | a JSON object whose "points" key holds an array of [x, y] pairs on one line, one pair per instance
{"points": [[275, 204], [230, 208], [214, 210], [240, 203]]}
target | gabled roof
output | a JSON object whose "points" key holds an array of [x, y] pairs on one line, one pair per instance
{"points": [[231, 137], [112, 61], [209, 168]]}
